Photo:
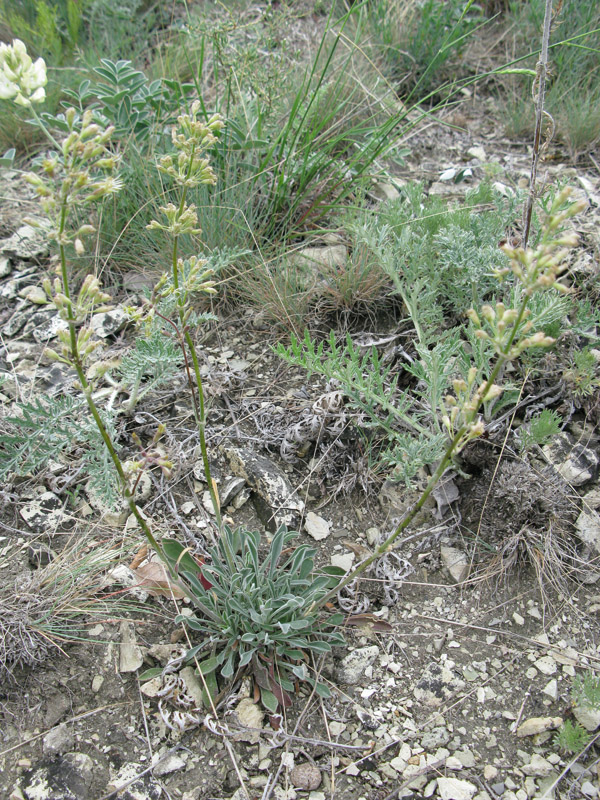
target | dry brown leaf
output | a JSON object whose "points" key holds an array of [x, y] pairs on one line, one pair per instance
{"points": [[369, 621], [153, 577], [139, 557]]}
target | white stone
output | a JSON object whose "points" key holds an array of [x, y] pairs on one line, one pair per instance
{"points": [[58, 740], [546, 665], [551, 689], [373, 535], [477, 152], [316, 526], [588, 528], [588, 789], [35, 295], [518, 619], [455, 789], [588, 717], [343, 560], [535, 725], [249, 714], [124, 576], [385, 191], [538, 767], [107, 323], [171, 763], [332, 256], [571, 459], [351, 669], [337, 727], [456, 562], [130, 653]]}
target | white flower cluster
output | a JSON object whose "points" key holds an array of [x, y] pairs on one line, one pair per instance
{"points": [[21, 80]]}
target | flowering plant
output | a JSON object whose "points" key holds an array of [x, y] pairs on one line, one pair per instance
{"points": [[21, 79]]}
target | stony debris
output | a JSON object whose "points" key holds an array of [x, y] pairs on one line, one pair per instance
{"points": [[231, 490], [438, 684], [249, 714], [535, 725], [587, 527], [145, 787], [5, 267], [538, 767], [118, 515], [58, 740], [276, 501], [171, 762], [316, 526], [306, 777], [109, 323], [45, 514], [455, 789], [456, 562], [576, 463], [68, 777], [352, 667], [130, 653], [122, 575], [587, 716], [27, 242], [335, 255]]}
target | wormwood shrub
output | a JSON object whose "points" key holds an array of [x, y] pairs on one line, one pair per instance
{"points": [[573, 737]]}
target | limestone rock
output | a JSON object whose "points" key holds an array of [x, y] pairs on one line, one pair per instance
{"points": [[538, 767], [58, 740], [455, 789], [108, 323], [170, 763], [456, 562], [276, 500], [26, 242], [333, 256], [130, 653], [351, 668], [44, 514], [437, 685], [69, 777], [575, 462], [588, 528], [316, 526], [587, 716], [536, 725], [249, 714]]}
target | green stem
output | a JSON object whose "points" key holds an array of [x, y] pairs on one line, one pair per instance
{"points": [[200, 409], [40, 122], [87, 392]]}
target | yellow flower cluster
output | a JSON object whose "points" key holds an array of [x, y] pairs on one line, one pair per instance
{"points": [[21, 79]]}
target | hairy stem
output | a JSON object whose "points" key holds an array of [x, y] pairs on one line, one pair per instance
{"points": [[200, 407]]}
